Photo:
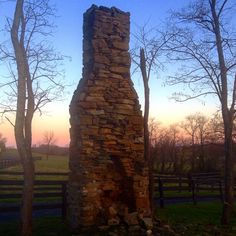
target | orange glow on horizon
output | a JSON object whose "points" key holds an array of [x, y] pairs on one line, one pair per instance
{"points": [[58, 123], [57, 120]]}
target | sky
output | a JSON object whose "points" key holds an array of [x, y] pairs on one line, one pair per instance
{"points": [[67, 39]]}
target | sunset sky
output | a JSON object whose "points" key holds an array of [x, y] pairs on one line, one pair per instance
{"points": [[68, 40]]}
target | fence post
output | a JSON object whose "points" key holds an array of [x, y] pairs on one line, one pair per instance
{"points": [[64, 201], [189, 182], [212, 187], [193, 192], [221, 191], [197, 187], [160, 186], [180, 183]]}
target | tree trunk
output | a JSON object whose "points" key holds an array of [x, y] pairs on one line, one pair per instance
{"points": [[147, 155], [162, 164], [23, 120], [202, 154], [29, 170], [176, 161], [227, 115], [193, 159], [229, 176], [27, 199], [48, 148], [181, 168]]}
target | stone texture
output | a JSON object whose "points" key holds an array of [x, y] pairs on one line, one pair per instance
{"points": [[108, 176]]}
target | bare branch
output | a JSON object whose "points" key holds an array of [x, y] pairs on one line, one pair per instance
{"points": [[10, 121]]}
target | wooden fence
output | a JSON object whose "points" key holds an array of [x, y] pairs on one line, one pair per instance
{"points": [[49, 193], [198, 186], [5, 163]]}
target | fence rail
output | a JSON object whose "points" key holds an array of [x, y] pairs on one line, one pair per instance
{"points": [[48, 194], [53, 193], [19, 173], [5, 163], [194, 187]]}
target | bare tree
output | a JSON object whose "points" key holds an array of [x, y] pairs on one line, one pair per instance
{"points": [[162, 146], [174, 133], [32, 84], [182, 152], [202, 122], [3, 141], [215, 129], [165, 148], [205, 44], [48, 139], [195, 125], [190, 126], [153, 127], [145, 54]]}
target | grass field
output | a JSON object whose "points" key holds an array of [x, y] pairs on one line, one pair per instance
{"points": [[48, 226], [52, 164], [186, 219], [202, 219]]}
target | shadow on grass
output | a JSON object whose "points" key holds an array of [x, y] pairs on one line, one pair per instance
{"points": [[202, 219], [185, 219], [48, 226]]}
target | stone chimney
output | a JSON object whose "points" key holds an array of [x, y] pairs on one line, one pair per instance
{"points": [[108, 177]]}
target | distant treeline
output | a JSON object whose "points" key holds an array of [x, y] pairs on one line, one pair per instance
{"points": [[196, 144], [176, 159]]}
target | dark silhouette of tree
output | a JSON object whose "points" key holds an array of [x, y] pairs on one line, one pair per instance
{"points": [[164, 148], [153, 127], [215, 129], [190, 127], [145, 54], [202, 122], [174, 134], [205, 44], [3, 141], [49, 140], [195, 126], [34, 82]]}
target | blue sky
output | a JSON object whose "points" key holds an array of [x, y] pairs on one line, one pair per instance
{"points": [[68, 40]]}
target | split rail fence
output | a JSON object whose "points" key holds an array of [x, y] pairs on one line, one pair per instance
{"points": [[195, 187], [49, 192], [5, 163]]}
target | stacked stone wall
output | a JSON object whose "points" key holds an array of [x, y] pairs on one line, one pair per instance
{"points": [[108, 176]]}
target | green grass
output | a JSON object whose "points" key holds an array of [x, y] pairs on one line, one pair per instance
{"points": [[185, 219], [12, 152], [202, 219], [36, 200], [52, 164], [48, 226]]}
